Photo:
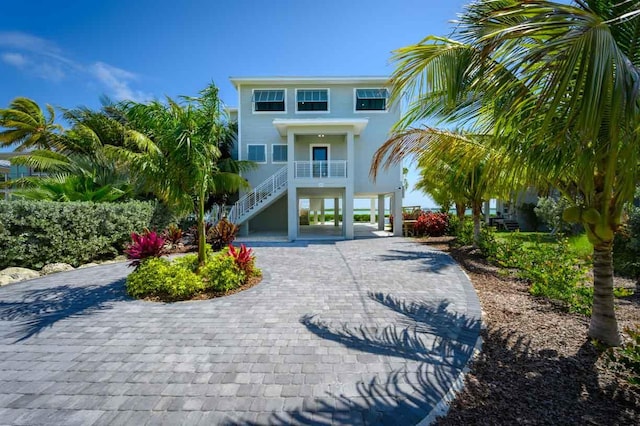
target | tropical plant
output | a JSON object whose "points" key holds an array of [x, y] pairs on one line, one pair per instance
{"points": [[144, 245], [27, 126], [557, 87], [244, 258], [431, 224], [222, 234], [182, 165], [172, 234]]}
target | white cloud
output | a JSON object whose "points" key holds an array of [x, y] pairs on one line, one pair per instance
{"points": [[46, 60], [118, 82], [17, 60]]}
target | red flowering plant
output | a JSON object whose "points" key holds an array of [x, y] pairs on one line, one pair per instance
{"points": [[144, 245], [431, 224], [244, 258], [172, 235]]}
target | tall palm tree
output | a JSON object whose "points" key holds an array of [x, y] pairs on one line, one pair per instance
{"points": [[27, 126], [185, 168], [558, 87]]}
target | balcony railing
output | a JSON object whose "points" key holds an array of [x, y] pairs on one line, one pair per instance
{"points": [[320, 169]]}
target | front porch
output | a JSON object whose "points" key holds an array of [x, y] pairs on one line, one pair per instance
{"points": [[320, 232]]}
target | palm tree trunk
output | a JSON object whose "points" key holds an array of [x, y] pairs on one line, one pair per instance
{"points": [[202, 238], [476, 209], [603, 326], [460, 211]]}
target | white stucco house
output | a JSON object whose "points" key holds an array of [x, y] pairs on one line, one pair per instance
{"points": [[313, 139]]}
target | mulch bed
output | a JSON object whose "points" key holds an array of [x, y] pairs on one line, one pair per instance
{"points": [[537, 365]]}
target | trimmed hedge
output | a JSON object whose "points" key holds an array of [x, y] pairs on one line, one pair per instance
{"points": [[34, 233]]}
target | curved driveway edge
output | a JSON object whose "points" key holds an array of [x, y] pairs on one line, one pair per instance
{"points": [[371, 331]]}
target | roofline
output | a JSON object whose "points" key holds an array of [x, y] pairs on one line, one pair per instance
{"points": [[378, 80]]}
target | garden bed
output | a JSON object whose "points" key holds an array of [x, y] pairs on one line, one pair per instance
{"points": [[537, 365]]}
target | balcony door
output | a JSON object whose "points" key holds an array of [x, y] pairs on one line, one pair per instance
{"points": [[320, 160]]}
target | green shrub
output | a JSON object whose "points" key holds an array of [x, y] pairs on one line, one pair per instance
{"points": [[463, 231], [157, 277], [221, 273], [626, 359], [556, 273], [34, 233], [487, 243], [626, 247]]}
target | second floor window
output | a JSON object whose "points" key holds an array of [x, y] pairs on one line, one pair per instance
{"points": [[371, 99], [268, 100], [257, 153], [313, 100], [279, 153]]}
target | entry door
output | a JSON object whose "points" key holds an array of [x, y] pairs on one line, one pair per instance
{"points": [[320, 158]]}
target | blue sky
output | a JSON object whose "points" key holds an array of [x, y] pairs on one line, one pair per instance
{"points": [[71, 53]]}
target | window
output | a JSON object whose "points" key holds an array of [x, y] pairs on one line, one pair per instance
{"points": [[257, 153], [312, 100], [268, 100], [371, 99], [279, 153]]}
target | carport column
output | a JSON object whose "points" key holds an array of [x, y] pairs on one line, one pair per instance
{"points": [[322, 211], [347, 217], [292, 192], [487, 210], [396, 203], [380, 212], [336, 212], [372, 211]]}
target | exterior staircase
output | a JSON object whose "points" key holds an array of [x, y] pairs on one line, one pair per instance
{"points": [[259, 198]]}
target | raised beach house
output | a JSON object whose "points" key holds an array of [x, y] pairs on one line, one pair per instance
{"points": [[313, 139]]}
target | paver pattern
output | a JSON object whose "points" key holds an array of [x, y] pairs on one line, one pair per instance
{"points": [[370, 331]]}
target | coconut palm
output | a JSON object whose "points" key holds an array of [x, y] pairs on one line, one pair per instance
{"points": [[26, 126], [185, 168], [558, 87]]}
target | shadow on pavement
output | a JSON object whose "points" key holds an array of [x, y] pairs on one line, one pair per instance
{"points": [[42, 308]]}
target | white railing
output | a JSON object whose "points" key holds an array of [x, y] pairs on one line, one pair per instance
{"points": [[320, 169], [274, 184]]}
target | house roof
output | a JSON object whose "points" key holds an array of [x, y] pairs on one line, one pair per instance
{"points": [[374, 80], [4, 164]]}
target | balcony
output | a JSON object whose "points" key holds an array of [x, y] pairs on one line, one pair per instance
{"points": [[320, 169]]}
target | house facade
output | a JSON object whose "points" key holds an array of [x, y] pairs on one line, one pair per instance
{"points": [[313, 140]]}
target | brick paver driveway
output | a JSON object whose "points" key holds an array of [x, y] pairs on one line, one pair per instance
{"points": [[371, 331]]}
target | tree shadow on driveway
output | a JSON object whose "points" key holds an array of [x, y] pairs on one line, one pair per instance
{"points": [[38, 309], [428, 261], [425, 350]]}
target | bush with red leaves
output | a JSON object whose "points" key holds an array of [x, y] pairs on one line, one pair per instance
{"points": [[244, 258], [431, 224], [145, 245]]}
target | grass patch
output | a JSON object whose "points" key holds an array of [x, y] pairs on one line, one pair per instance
{"points": [[579, 245]]}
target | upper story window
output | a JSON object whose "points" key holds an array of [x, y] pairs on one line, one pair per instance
{"points": [[257, 153], [371, 99], [312, 100], [279, 153], [269, 100]]}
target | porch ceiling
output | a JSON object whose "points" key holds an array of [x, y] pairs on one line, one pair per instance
{"points": [[320, 192], [356, 125]]}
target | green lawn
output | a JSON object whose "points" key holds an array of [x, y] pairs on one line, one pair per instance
{"points": [[579, 244]]}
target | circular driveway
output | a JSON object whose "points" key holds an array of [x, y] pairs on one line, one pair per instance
{"points": [[369, 331]]}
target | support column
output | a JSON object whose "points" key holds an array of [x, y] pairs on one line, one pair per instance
{"points": [[292, 193], [487, 211], [396, 203], [372, 211], [322, 211], [380, 212], [244, 229], [347, 216], [336, 212]]}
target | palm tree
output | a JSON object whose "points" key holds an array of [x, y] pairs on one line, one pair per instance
{"points": [[557, 86], [26, 125], [185, 168], [457, 164]]}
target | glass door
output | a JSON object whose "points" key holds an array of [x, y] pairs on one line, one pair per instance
{"points": [[320, 159]]}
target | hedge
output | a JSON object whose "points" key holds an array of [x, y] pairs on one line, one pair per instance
{"points": [[34, 233]]}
